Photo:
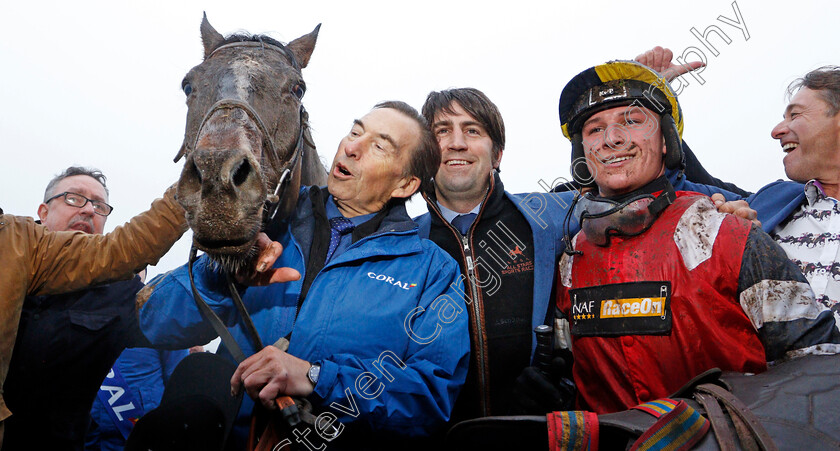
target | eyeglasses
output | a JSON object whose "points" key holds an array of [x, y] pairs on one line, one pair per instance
{"points": [[79, 201]]}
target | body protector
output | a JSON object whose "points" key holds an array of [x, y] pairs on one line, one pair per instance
{"points": [[683, 281], [615, 84]]}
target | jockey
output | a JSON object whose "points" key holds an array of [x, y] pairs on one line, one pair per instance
{"points": [[658, 286]]}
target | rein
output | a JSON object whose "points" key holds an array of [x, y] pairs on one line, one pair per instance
{"points": [[218, 326], [271, 207]]}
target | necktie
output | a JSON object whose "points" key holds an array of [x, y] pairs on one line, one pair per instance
{"points": [[463, 222], [338, 226]]}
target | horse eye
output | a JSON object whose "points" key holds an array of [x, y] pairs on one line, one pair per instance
{"points": [[187, 87], [298, 90]]}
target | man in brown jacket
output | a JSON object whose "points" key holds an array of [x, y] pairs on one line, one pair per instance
{"points": [[34, 261]]}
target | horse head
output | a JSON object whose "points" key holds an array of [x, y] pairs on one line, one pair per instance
{"points": [[247, 143]]}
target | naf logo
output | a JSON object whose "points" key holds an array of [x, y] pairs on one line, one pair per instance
{"points": [[630, 308], [391, 280]]}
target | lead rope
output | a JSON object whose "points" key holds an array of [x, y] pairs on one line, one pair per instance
{"points": [[288, 409]]}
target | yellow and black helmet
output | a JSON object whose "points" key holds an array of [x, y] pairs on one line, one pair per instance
{"points": [[613, 84]]}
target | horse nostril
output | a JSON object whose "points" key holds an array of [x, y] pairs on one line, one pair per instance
{"points": [[241, 172]]}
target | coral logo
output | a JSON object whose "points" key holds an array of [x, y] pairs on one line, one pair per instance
{"points": [[391, 280]]}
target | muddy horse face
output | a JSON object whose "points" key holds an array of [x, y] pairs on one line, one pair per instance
{"points": [[246, 144]]}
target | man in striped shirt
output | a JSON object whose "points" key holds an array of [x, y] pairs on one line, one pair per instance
{"points": [[802, 215], [809, 135]]}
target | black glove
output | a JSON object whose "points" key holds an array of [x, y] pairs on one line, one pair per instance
{"points": [[537, 393]]}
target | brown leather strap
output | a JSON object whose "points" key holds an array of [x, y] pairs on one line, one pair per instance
{"points": [[741, 411], [243, 314], [210, 316], [745, 437], [725, 439], [710, 376]]}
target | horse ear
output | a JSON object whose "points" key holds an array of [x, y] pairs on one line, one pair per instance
{"points": [[182, 151], [209, 36], [302, 47]]}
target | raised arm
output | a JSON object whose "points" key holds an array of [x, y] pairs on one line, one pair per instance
{"points": [[68, 261], [661, 60], [695, 172]]}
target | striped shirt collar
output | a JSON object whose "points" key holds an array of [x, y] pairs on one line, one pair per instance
{"points": [[814, 192]]}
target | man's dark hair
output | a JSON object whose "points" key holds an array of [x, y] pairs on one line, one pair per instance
{"points": [[425, 158], [96, 174], [826, 81], [476, 104]]}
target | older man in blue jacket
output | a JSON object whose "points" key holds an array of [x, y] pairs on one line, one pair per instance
{"points": [[378, 335]]}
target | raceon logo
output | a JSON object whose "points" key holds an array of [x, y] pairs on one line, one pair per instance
{"points": [[391, 280]]}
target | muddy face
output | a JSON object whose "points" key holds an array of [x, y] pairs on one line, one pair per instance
{"points": [[235, 149], [222, 186]]}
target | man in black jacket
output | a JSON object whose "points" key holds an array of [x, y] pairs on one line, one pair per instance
{"points": [[67, 343], [507, 246]]}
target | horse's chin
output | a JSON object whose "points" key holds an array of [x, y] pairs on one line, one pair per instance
{"points": [[230, 255]]}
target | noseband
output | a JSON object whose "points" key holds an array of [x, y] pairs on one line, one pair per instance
{"points": [[273, 201]]}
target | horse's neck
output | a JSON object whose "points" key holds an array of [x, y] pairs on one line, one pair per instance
{"points": [[312, 171]]}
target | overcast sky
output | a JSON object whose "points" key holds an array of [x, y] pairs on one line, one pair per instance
{"points": [[98, 83]]}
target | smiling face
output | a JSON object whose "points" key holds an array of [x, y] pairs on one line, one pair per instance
{"points": [[372, 161], [57, 216], [624, 149], [467, 158], [810, 139]]}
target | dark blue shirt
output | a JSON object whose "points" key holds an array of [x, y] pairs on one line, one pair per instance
{"points": [[347, 238]]}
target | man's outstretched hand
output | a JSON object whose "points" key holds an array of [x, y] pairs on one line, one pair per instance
{"points": [[262, 273]]}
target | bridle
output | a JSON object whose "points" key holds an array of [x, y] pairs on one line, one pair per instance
{"points": [[273, 200]]}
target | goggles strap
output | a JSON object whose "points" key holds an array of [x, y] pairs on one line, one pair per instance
{"points": [[667, 197]]}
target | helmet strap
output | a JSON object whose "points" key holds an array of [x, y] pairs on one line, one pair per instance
{"points": [[674, 158]]}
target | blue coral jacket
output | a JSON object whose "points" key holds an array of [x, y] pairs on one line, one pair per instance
{"points": [[382, 319], [146, 371]]}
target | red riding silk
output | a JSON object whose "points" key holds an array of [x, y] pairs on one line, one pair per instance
{"points": [[709, 327]]}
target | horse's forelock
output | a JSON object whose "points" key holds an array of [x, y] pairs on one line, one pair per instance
{"points": [[247, 37], [244, 36]]}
